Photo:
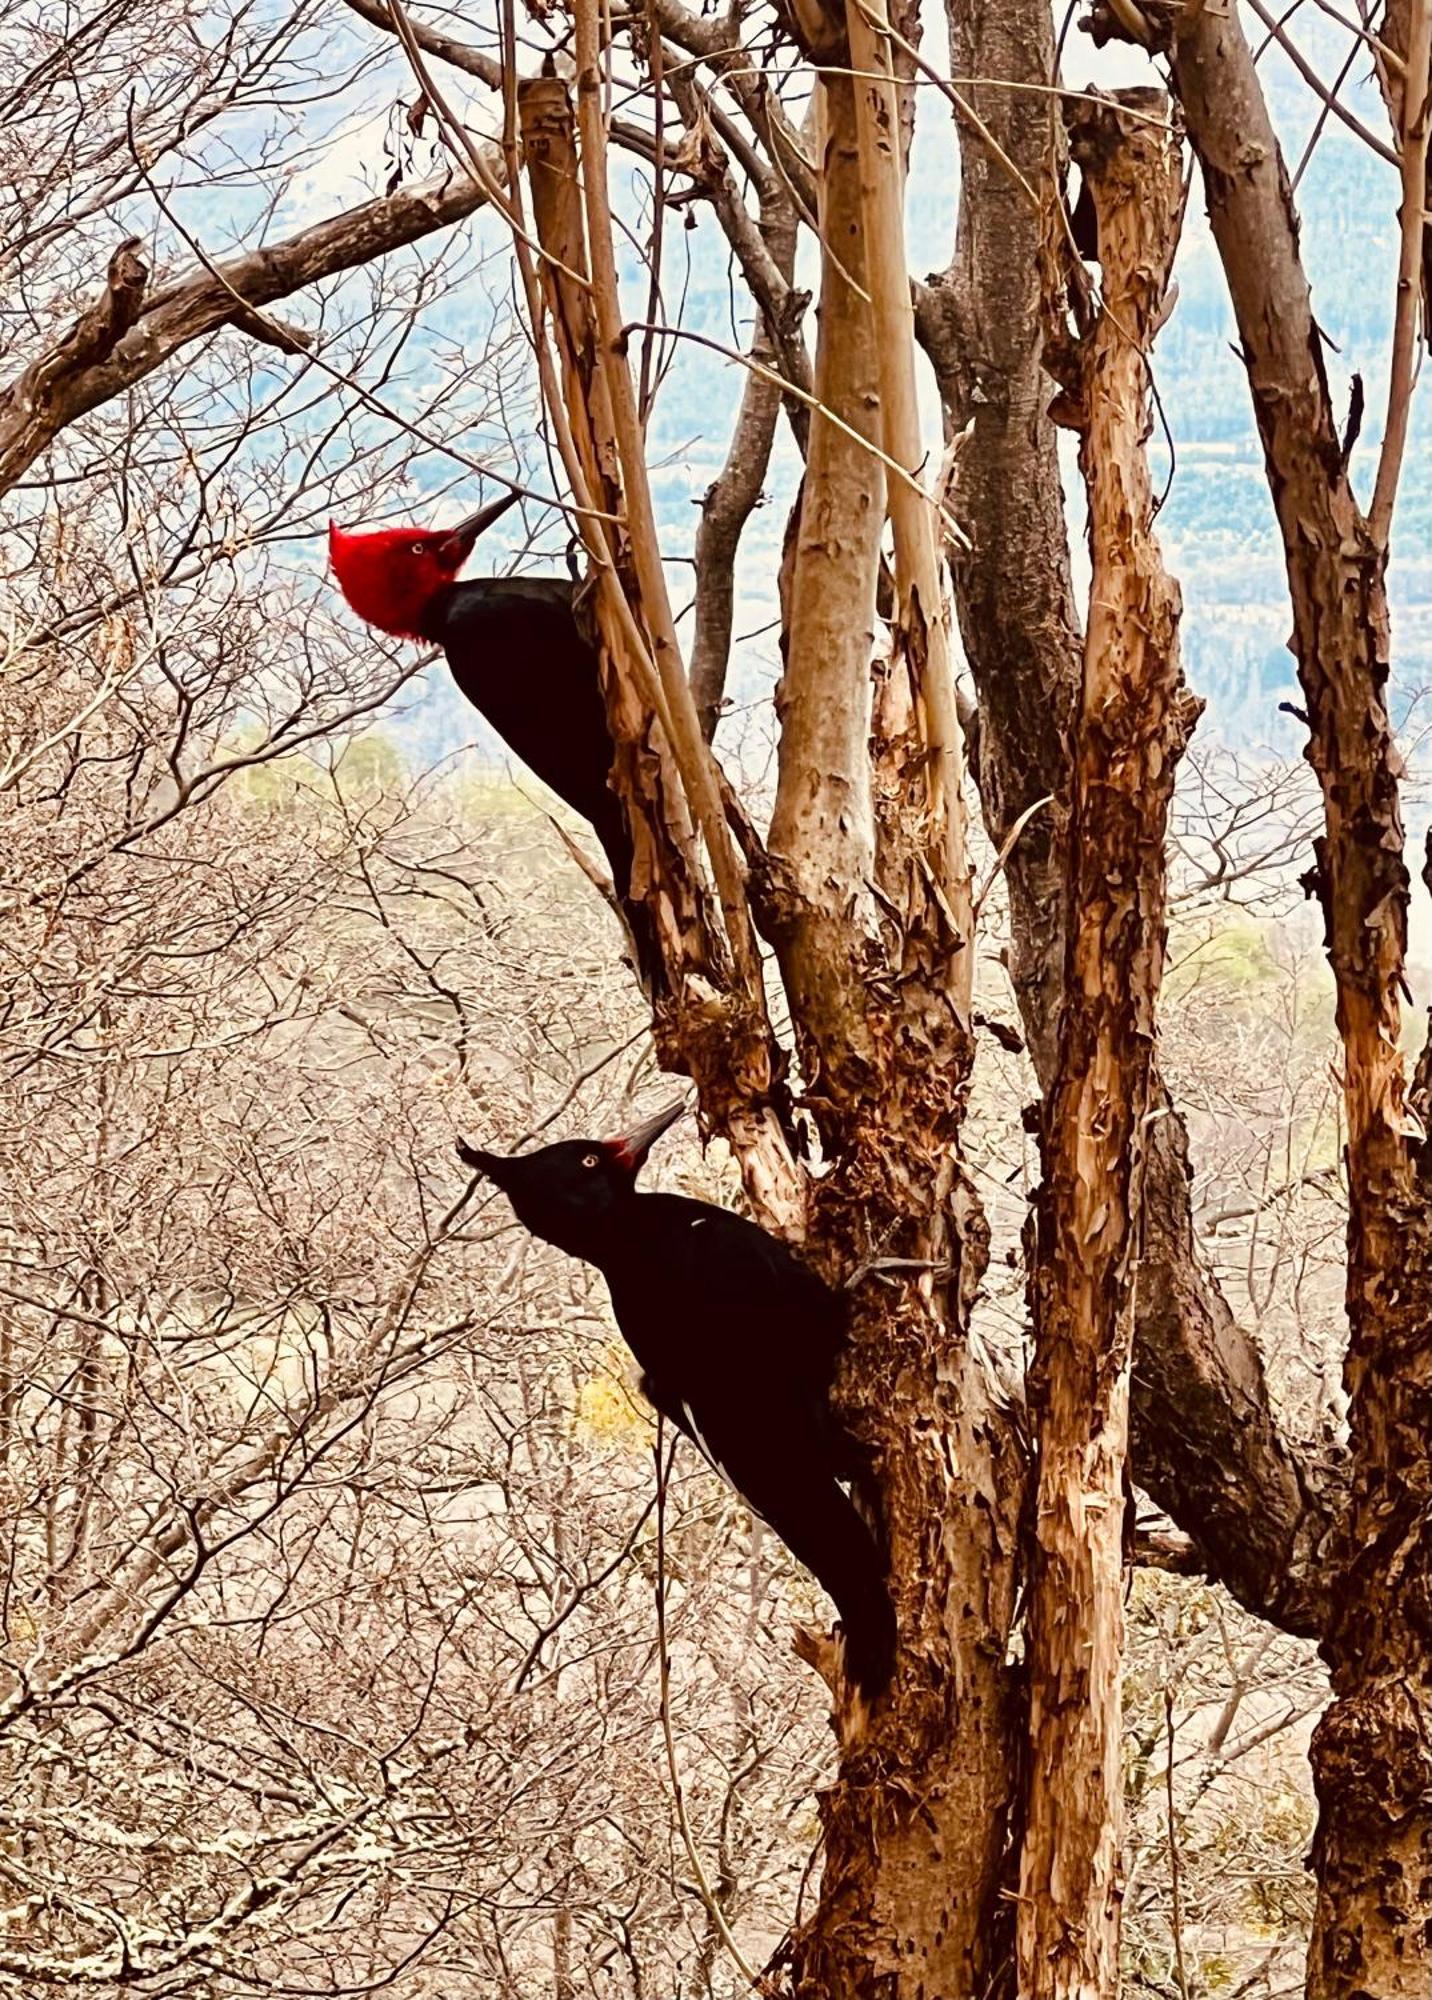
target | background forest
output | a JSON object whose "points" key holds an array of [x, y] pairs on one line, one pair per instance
{"points": [[328, 1543]]}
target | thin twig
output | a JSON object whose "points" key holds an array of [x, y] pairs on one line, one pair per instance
{"points": [[1317, 86], [1416, 113], [1175, 1862], [703, 1887], [789, 388], [312, 359]]}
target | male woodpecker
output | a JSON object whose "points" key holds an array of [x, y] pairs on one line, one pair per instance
{"points": [[737, 1343], [517, 652]]}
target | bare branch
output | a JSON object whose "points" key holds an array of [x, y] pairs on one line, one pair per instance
{"points": [[50, 395]]}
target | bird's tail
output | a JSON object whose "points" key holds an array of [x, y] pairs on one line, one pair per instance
{"points": [[822, 1529]]}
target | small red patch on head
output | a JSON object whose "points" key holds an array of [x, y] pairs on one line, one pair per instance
{"points": [[390, 577]]}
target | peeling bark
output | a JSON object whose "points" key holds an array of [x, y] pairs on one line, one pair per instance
{"points": [[706, 1025], [920, 627], [914, 1830], [1372, 1752], [817, 906], [1133, 722], [1207, 1442]]}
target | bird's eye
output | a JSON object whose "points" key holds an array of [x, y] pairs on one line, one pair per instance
{"points": [[591, 1160], [419, 548]]}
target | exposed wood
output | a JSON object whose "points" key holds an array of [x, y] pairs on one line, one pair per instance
{"points": [[1133, 721], [713, 1030], [1208, 1443], [921, 635], [692, 754], [821, 842], [665, 882], [1372, 1752]]}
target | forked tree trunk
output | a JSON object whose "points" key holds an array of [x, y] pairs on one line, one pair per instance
{"points": [[1207, 1441], [865, 881], [1131, 727]]}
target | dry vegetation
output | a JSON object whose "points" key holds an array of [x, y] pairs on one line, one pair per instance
{"points": [[329, 1541]]}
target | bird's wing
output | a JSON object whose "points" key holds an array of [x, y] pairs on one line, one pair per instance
{"points": [[748, 1302], [677, 1410]]}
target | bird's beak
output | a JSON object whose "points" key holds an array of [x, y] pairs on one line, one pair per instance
{"points": [[488, 1164], [457, 545], [631, 1148]]}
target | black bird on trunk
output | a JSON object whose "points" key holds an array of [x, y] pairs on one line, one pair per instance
{"points": [[737, 1343], [518, 652]]}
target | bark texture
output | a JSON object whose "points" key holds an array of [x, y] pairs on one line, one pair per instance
{"points": [[921, 635], [817, 907], [1372, 1752], [708, 1024], [1207, 1443], [1133, 722], [914, 1831]]}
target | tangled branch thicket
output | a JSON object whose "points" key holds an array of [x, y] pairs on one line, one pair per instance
{"points": [[327, 1536]]}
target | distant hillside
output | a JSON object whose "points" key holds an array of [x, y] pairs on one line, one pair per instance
{"points": [[1217, 526]]}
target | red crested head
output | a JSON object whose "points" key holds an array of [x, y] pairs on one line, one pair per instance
{"points": [[390, 576]]}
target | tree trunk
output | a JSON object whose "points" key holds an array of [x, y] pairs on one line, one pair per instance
{"points": [[915, 1827], [710, 1017], [1206, 1441], [1372, 1752], [1132, 726]]}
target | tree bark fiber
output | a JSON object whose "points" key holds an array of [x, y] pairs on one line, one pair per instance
{"points": [[1372, 1752], [1133, 723]]}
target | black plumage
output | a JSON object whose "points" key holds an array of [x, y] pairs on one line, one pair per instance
{"points": [[737, 1342], [519, 654], [522, 654]]}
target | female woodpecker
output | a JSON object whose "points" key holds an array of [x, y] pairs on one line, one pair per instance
{"points": [[737, 1343]]}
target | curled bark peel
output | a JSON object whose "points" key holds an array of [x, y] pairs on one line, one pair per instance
{"points": [[709, 1022], [909, 1900], [1208, 1442], [1134, 720], [1372, 1752]]}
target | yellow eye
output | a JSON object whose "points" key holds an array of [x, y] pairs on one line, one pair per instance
{"points": [[591, 1160]]}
